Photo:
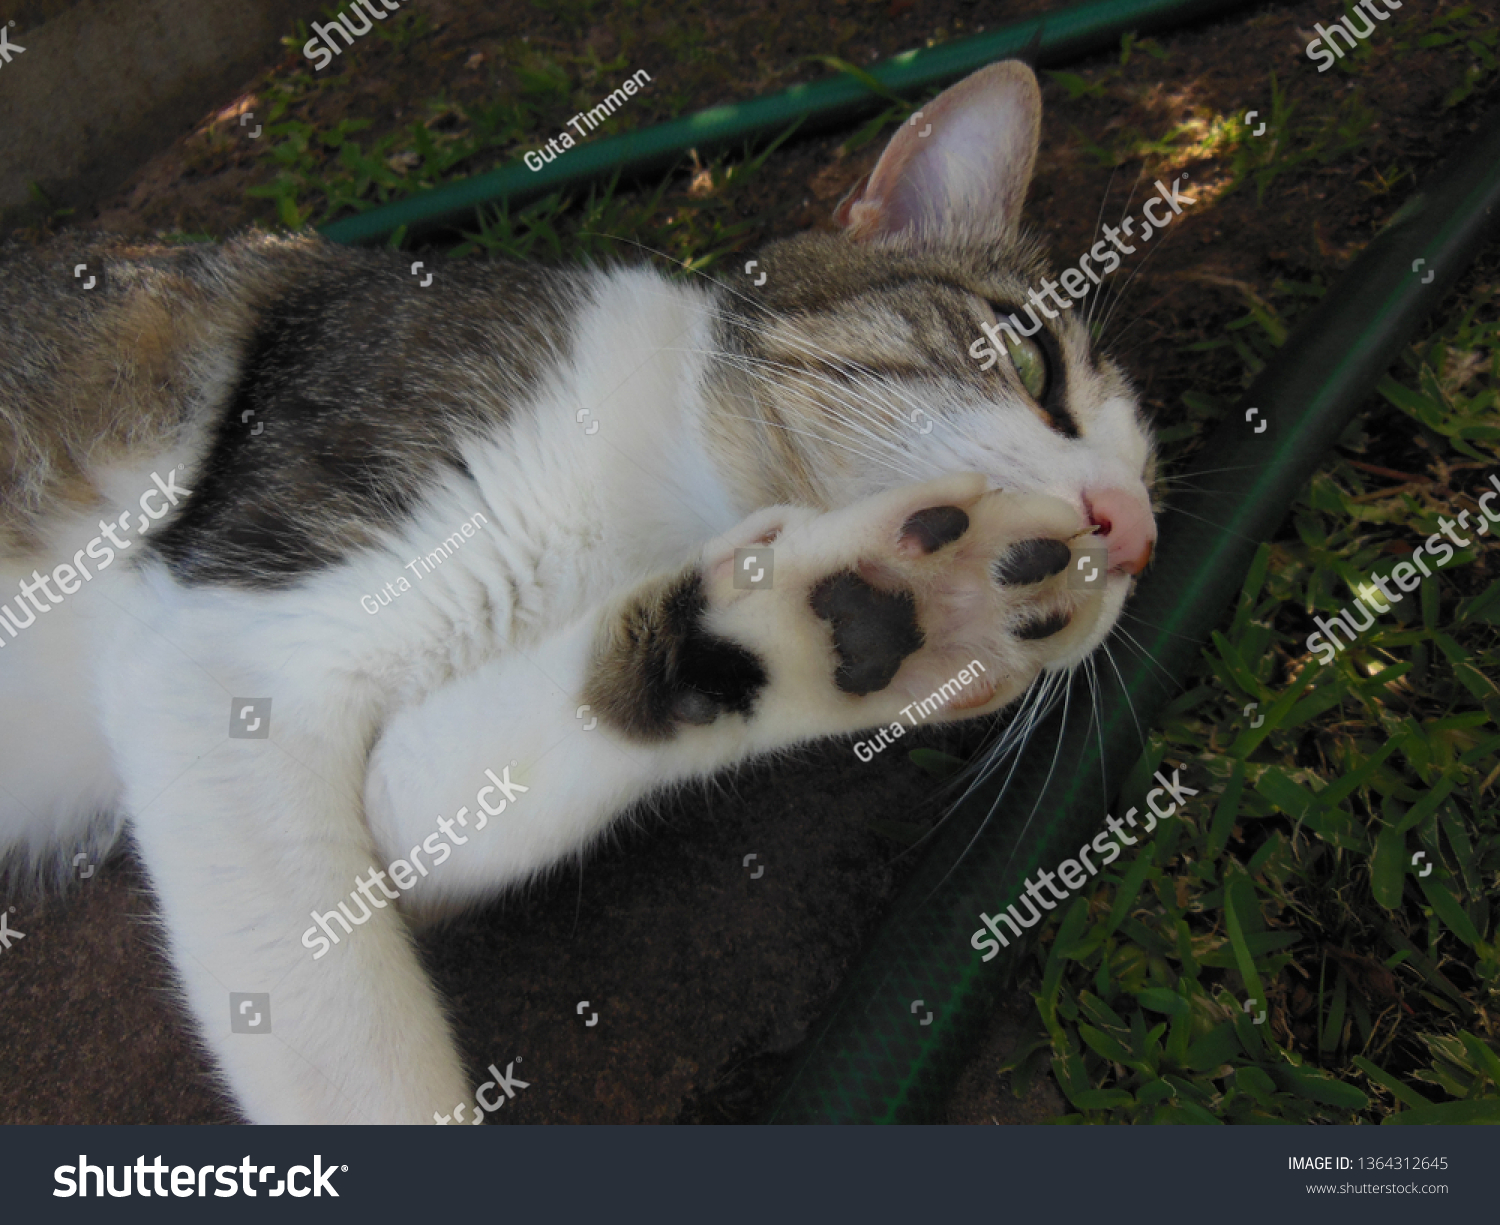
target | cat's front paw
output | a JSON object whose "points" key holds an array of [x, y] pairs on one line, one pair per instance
{"points": [[937, 600]]}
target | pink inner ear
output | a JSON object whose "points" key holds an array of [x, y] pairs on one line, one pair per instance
{"points": [[960, 166], [842, 214]]}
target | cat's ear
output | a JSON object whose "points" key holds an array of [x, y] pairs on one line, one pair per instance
{"points": [[960, 167]]}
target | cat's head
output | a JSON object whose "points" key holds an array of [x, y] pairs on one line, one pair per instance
{"points": [[857, 361]]}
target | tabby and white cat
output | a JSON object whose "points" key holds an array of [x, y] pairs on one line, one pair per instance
{"points": [[316, 559]]}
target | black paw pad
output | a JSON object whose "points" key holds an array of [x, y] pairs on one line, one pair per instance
{"points": [[1031, 561], [873, 630], [936, 526], [1043, 627]]}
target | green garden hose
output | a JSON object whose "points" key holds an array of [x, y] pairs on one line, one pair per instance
{"points": [[1052, 38], [871, 1059]]}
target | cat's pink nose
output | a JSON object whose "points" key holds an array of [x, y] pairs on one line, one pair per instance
{"points": [[1124, 522]]}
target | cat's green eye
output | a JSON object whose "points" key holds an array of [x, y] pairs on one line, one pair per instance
{"points": [[1031, 364]]}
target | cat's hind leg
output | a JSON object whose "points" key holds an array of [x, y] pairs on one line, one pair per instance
{"points": [[58, 788], [249, 820]]}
